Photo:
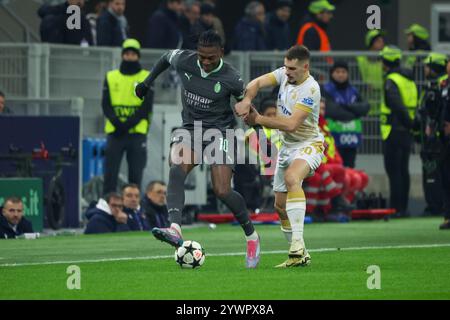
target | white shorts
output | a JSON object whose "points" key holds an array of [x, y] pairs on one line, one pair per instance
{"points": [[311, 152]]}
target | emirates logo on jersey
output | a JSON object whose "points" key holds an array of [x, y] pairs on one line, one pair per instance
{"points": [[285, 111]]}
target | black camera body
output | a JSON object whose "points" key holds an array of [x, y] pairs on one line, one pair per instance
{"points": [[431, 113]]}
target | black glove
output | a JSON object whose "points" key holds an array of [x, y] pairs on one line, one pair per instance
{"points": [[141, 90]]}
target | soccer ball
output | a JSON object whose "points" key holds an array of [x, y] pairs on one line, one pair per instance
{"points": [[190, 255]]}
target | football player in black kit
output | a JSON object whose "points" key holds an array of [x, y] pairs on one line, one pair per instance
{"points": [[208, 83]]}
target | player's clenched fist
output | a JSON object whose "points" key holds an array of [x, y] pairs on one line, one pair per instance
{"points": [[243, 108], [251, 117], [141, 90]]}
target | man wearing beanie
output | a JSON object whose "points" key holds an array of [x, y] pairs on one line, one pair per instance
{"points": [[344, 115], [396, 118], [127, 118], [277, 26]]}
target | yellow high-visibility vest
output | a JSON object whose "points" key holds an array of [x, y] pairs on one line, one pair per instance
{"points": [[331, 144], [273, 136], [124, 101], [409, 95], [372, 74]]}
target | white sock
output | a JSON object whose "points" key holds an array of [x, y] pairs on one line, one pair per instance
{"points": [[253, 236], [287, 235], [296, 208], [177, 227]]}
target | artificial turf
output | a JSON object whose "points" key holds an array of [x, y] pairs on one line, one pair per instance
{"points": [[412, 254]]}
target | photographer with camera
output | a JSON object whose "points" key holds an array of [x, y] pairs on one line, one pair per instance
{"points": [[445, 168], [428, 126]]}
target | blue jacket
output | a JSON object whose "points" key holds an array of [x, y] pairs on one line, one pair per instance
{"points": [[137, 220], [278, 33], [163, 30], [347, 107], [249, 36], [100, 221], [109, 32], [342, 96], [6, 232]]}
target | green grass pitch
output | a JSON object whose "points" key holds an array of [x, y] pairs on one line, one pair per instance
{"points": [[412, 254]]}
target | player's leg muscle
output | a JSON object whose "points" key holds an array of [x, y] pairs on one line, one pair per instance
{"points": [[280, 204], [177, 176], [294, 175], [221, 180]]}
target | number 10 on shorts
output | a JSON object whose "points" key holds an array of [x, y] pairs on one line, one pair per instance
{"points": [[223, 144]]}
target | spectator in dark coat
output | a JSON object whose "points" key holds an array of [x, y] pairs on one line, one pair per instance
{"points": [[93, 18], [112, 25], [217, 23], [277, 26], [189, 18], [163, 31], [107, 216], [249, 34], [12, 222], [345, 108], [54, 29], [155, 205], [205, 23], [137, 220], [3, 108]]}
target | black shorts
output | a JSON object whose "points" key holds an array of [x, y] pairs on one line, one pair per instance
{"points": [[211, 145]]}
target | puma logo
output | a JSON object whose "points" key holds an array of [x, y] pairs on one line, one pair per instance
{"points": [[188, 76]]}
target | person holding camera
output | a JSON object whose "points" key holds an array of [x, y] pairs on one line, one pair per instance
{"points": [[445, 168], [428, 125]]}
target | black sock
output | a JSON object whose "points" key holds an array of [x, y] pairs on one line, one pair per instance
{"points": [[236, 203], [175, 194]]}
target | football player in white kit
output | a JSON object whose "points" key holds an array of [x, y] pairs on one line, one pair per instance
{"points": [[302, 143]]}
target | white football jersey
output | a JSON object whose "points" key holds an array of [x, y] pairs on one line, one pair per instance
{"points": [[304, 96]]}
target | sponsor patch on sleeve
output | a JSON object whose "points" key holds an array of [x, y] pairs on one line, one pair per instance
{"points": [[308, 101]]}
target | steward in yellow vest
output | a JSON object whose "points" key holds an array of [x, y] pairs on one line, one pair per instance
{"points": [[371, 69], [417, 38], [312, 33], [127, 118], [397, 113]]}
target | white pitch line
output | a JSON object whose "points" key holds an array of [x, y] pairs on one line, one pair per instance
{"points": [[437, 245]]}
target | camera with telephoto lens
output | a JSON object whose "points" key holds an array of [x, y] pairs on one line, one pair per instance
{"points": [[431, 108], [430, 112]]}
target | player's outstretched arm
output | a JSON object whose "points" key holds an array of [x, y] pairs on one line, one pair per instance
{"points": [[267, 80], [287, 124], [161, 65]]}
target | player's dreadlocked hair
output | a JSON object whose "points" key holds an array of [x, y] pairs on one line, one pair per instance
{"points": [[210, 38]]}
